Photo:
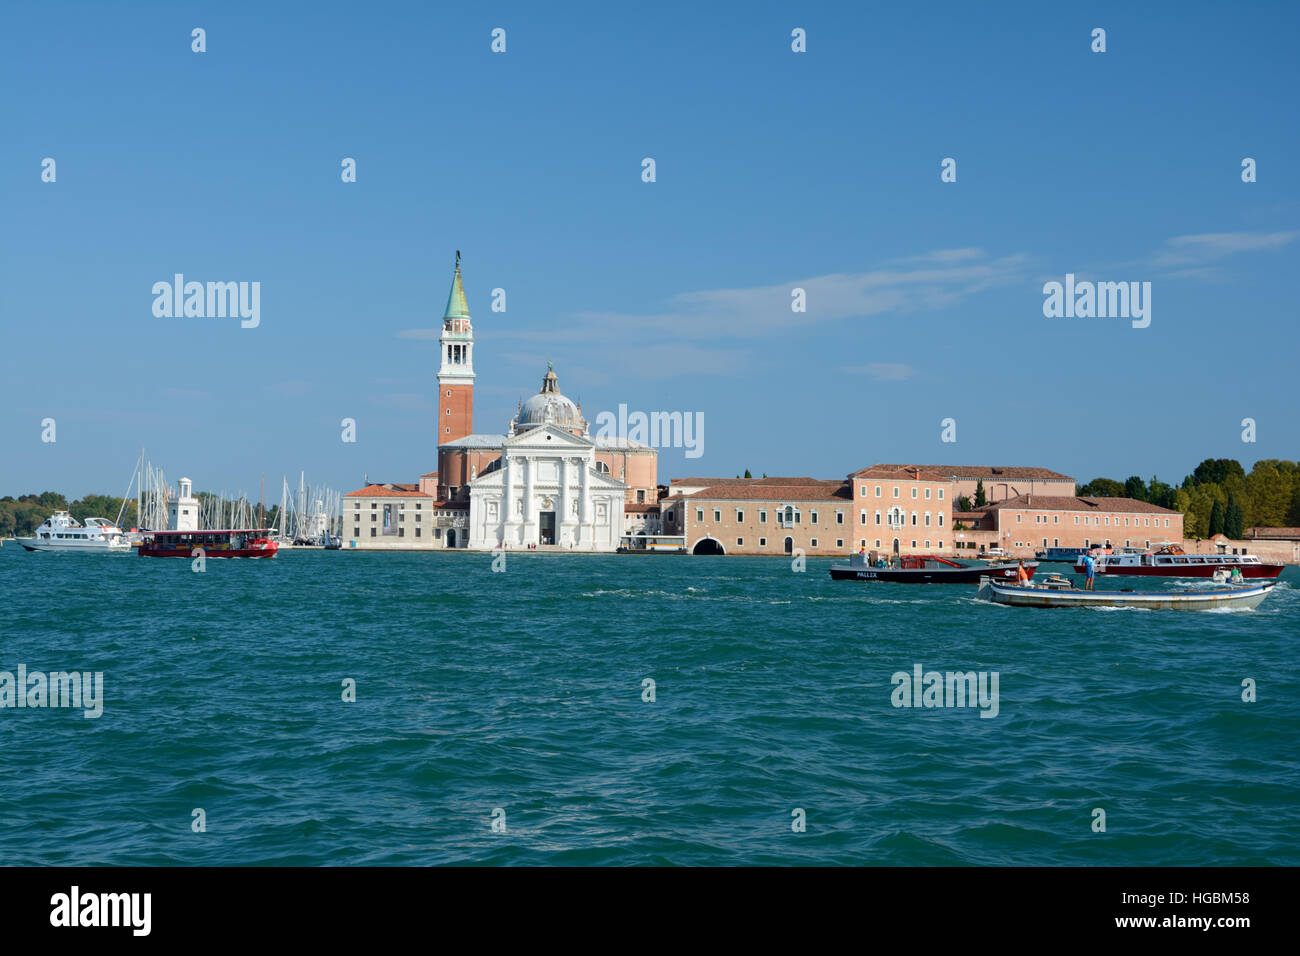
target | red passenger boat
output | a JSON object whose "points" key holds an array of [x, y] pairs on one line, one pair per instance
{"points": [[1172, 562], [236, 543]]}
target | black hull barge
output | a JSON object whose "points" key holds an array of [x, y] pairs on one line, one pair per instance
{"points": [[925, 569]]}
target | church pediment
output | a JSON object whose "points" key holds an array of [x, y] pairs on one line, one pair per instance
{"points": [[546, 438], [597, 480], [493, 479], [547, 473]]}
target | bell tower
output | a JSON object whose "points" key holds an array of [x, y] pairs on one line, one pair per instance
{"points": [[456, 373]]}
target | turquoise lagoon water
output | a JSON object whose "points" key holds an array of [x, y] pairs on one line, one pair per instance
{"points": [[523, 691]]}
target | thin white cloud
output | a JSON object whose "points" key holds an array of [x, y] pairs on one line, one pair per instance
{"points": [[934, 281], [1193, 250], [1204, 273], [943, 256], [599, 348]]}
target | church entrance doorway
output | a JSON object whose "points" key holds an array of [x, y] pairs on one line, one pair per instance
{"points": [[546, 527]]}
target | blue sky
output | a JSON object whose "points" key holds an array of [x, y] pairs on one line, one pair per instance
{"points": [[775, 170]]}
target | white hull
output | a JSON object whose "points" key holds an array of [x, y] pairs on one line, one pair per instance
{"points": [[87, 547], [1236, 598]]}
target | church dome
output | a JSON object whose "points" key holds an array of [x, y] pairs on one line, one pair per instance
{"points": [[549, 406]]}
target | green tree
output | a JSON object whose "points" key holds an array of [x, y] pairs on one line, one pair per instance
{"points": [[1216, 519], [980, 498], [1135, 487], [747, 474], [1159, 493], [1293, 512], [1102, 488], [1291, 516], [1234, 524], [1269, 488], [1217, 471], [1183, 503], [963, 503]]}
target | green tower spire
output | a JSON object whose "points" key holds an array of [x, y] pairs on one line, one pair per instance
{"points": [[457, 307]]}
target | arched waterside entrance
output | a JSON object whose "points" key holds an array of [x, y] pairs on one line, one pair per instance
{"points": [[451, 537], [708, 546], [789, 545]]}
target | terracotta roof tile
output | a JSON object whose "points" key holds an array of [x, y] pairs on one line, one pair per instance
{"points": [[1067, 503], [712, 482], [819, 491], [391, 490], [708, 481], [943, 472]]}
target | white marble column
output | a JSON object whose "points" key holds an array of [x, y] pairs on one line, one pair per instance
{"points": [[584, 507], [508, 502], [530, 467], [563, 522]]}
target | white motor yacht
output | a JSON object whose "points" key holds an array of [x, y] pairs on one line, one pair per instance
{"points": [[62, 532]]}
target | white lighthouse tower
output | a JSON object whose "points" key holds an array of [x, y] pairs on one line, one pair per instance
{"points": [[183, 512]]}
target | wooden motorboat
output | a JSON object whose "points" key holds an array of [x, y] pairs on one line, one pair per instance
{"points": [[1057, 591]]}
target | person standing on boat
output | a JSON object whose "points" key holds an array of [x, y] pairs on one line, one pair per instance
{"points": [[1022, 573], [1089, 570]]}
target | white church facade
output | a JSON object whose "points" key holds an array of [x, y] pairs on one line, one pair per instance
{"points": [[546, 483], [547, 490]]}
